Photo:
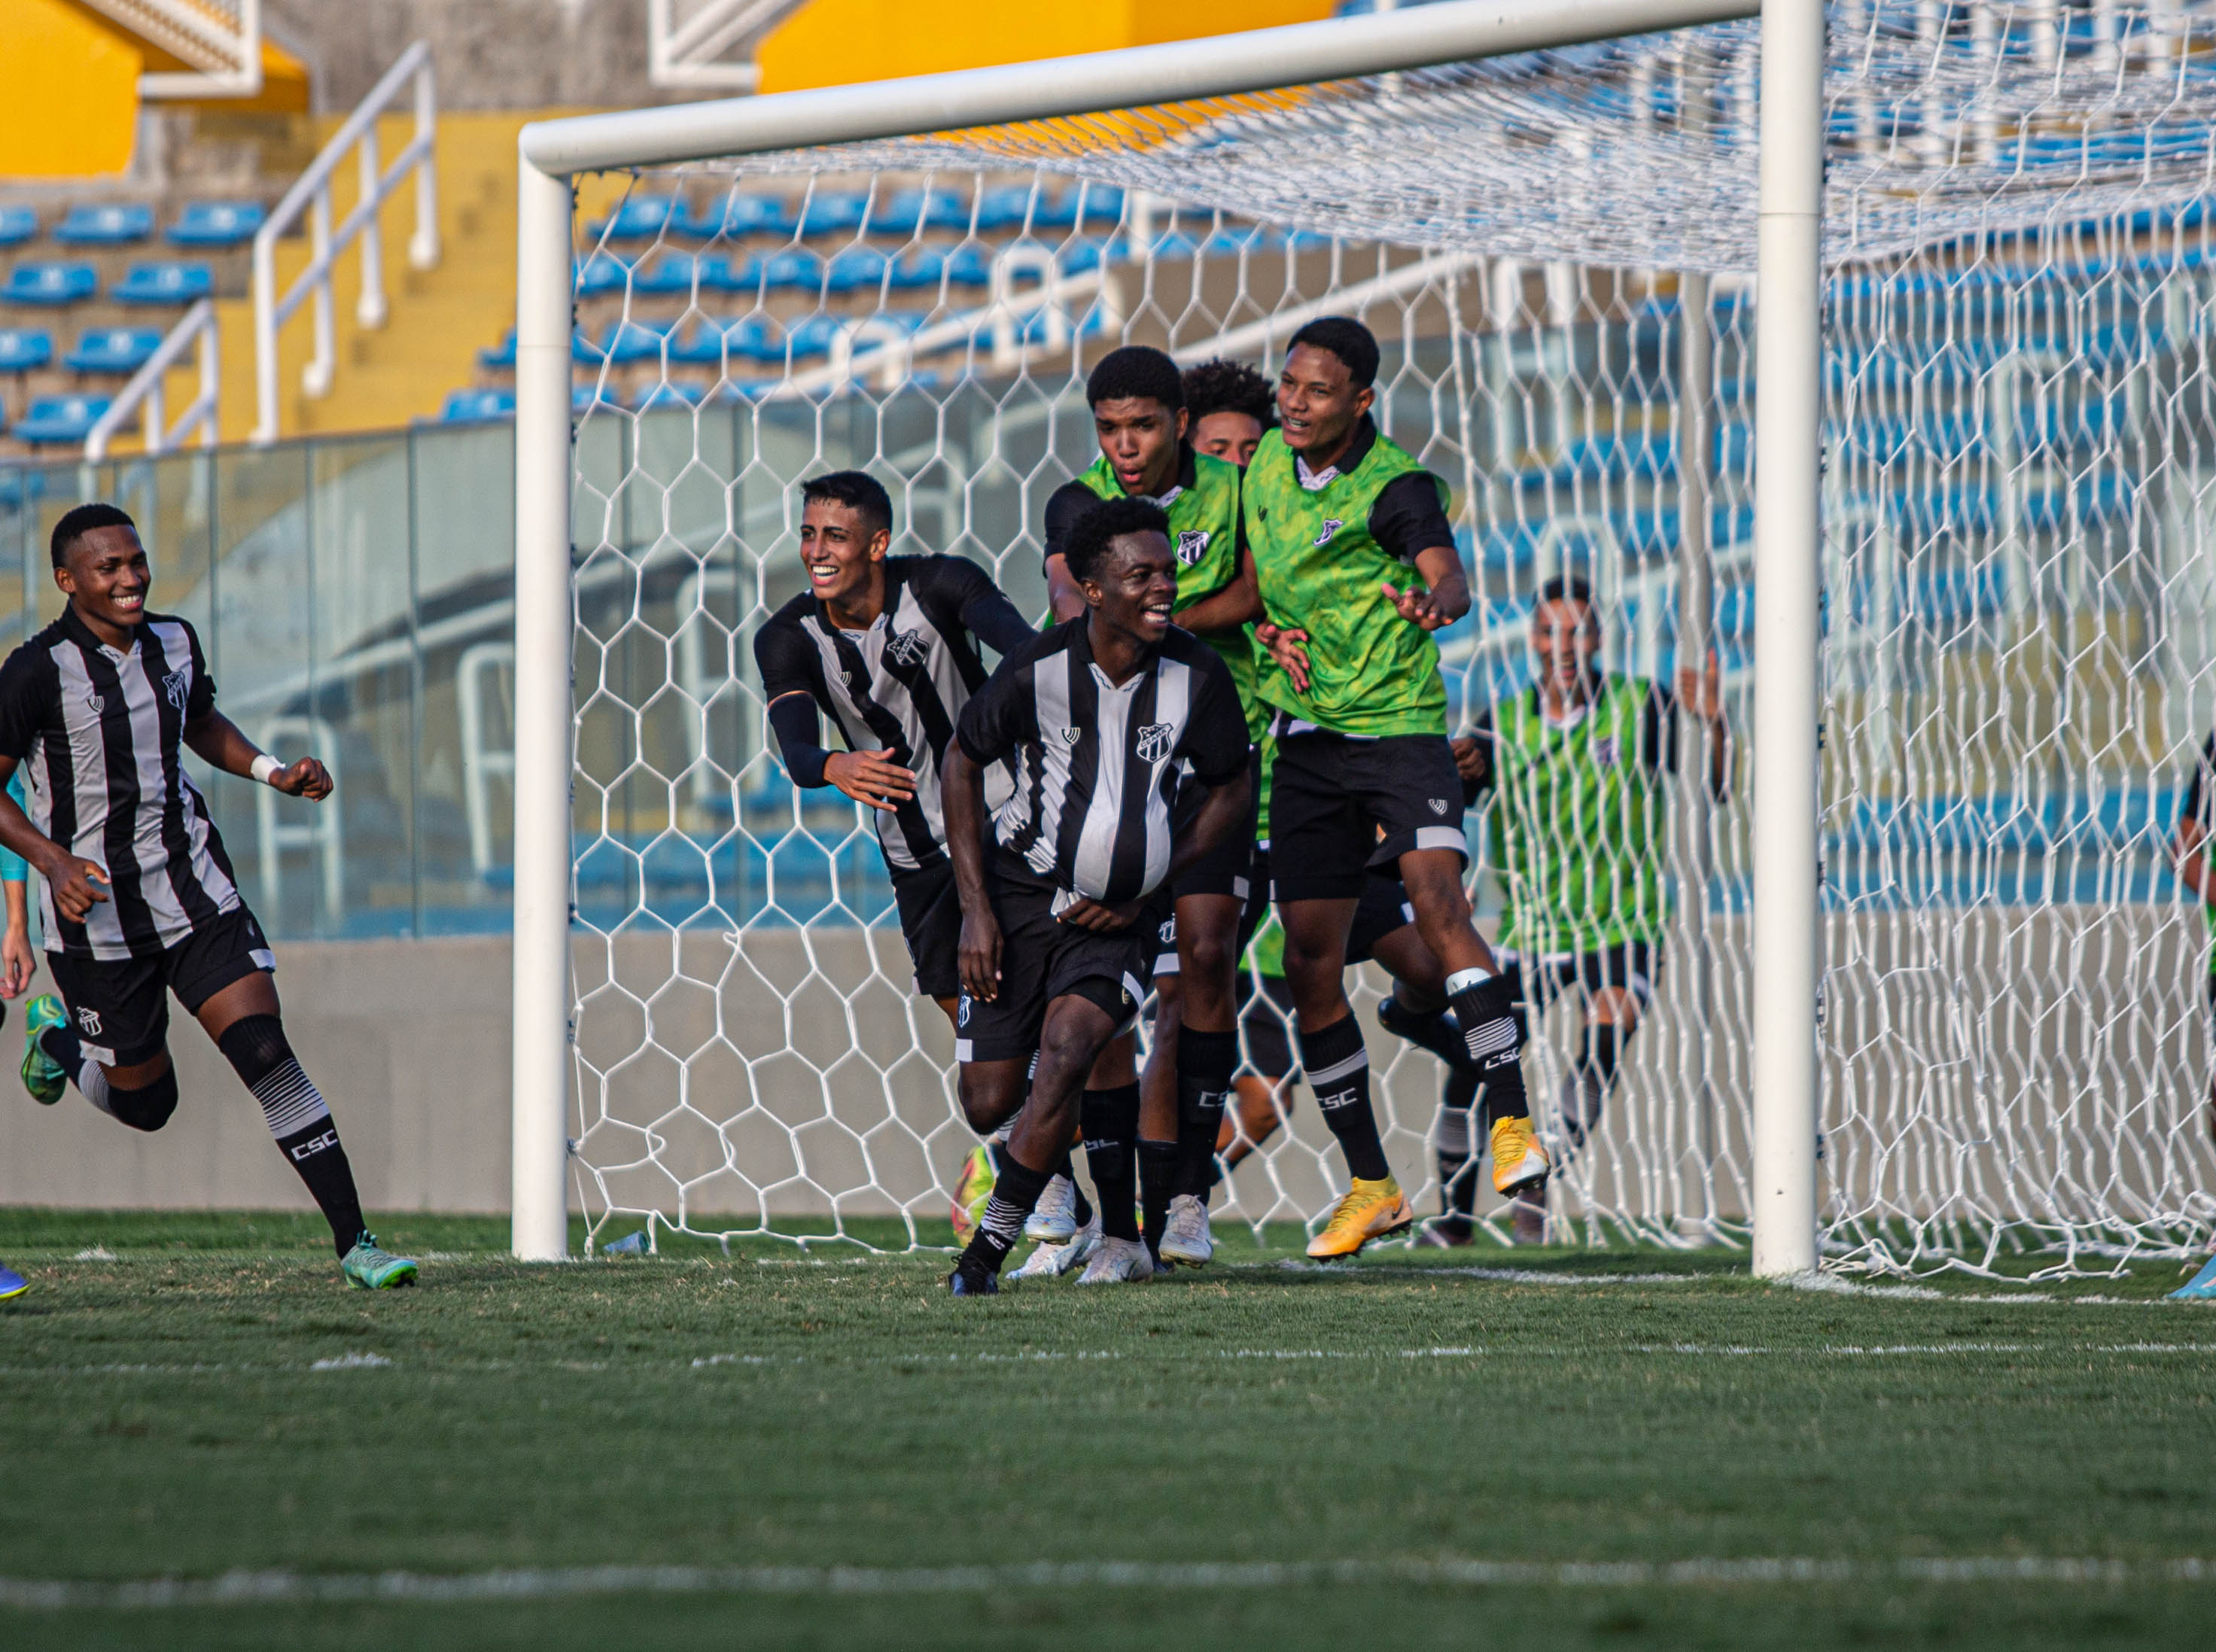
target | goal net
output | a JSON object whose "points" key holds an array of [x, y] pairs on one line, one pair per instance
{"points": [[1556, 251]]}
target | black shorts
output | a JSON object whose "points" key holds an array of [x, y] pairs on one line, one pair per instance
{"points": [[930, 923], [1227, 869], [1340, 806], [1043, 959], [1628, 964], [120, 1007]]}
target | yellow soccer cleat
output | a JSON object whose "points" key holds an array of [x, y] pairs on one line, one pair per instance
{"points": [[1370, 1211], [972, 1189], [1518, 1160]]}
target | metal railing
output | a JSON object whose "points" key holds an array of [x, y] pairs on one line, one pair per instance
{"points": [[311, 194], [143, 395], [220, 40], [687, 54]]}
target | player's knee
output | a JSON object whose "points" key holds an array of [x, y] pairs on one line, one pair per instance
{"points": [[1209, 957], [147, 1108], [255, 1046], [987, 1104]]}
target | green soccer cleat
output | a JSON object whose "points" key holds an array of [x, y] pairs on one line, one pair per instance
{"points": [[42, 1075], [374, 1269]]}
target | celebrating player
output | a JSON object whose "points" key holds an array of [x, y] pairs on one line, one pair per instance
{"points": [[1337, 519], [1227, 407], [138, 901], [1137, 398], [887, 647], [15, 965], [1098, 716], [1577, 768], [2196, 822]]}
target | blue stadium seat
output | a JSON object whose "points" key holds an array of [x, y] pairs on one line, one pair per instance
{"points": [[795, 269], [1102, 204], [621, 342], [909, 210], [969, 266], [602, 274], [1082, 257], [1008, 207], [835, 212], [105, 226], [112, 350], [586, 398], [737, 215], [473, 406], [216, 224], [502, 355], [50, 284], [919, 266], [665, 395], [674, 274], [17, 225], [162, 284], [754, 338], [22, 348], [856, 269], [642, 218], [61, 419]]}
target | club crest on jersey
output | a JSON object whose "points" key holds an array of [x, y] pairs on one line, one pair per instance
{"points": [[173, 687], [90, 1021], [93, 703], [1154, 741], [1191, 546], [1439, 807], [1604, 752], [1071, 736], [906, 647], [1331, 525]]}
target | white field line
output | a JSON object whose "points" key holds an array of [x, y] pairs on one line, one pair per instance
{"points": [[433, 1365], [241, 1589]]}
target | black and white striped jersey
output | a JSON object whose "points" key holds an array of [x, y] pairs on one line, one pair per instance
{"points": [[901, 683], [100, 735], [1096, 765]]}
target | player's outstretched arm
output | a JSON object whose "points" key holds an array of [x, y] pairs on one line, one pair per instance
{"points": [[1447, 598], [77, 883], [223, 745], [962, 794]]}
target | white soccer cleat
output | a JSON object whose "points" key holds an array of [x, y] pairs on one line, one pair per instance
{"points": [[1054, 1219], [1185, 1236], [1053, 1261], [1119, 1262]]}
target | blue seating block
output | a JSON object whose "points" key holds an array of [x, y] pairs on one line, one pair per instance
{"points": [[215, 223], [737, 215], [112, 350], [50, 284], [909, 210], [17, 225], [675, 274], [471, 406], [105, 226], [61, 419], [642, 218], [754, 338], [835, 212], [22, 348], [795, 269], [164, 284], [602, 274], [856, 269], [621, 342], [502, 355]]}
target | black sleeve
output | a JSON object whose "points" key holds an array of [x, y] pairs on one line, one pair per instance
{"points": [[201, 700], [1069, 502], [24, 696], [956, 589], [1409, 517], [1657, 730], [1481, 732], [1001, 716], [799, 734], [1215, 740], [793, 682], [2198, 805]]}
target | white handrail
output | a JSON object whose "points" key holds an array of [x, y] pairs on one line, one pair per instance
{"points": [[143, 395], [311, 193], [688, 56]]}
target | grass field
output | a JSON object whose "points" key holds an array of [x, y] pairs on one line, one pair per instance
{"points": [[1528, 1448]]}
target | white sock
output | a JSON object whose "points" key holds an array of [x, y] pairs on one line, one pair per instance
{"points": [[1463, 979], [93, 1082]]}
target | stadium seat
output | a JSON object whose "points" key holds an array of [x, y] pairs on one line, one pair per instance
{"points": [[105, 226], [737, 215], [1009, 208], [50, 284], [910, 210], [835, 212], [215, 225], [602, 274], [754, 338], [112, 350], [1082, 257], [665, 395], [23, 348], [621, 342], [17, 225], [1102, 204], [642, 218], [857, 269], [471, 406], [971, 265], [919, 266], [162, 284], [586, 399], [502, 354], [678, 273], [795, 269], [56, 418]]}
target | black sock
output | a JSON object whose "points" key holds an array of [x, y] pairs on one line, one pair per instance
{"points": [[1434, 1031], [1158, 1170], [1338, 1072], [1016, 1190], [257, 1050], [1205, 1062], [1585, 1089], [1493, 1027], [1110, 1121], [63, 1046], [1457, 1160], [1065, 1167]]}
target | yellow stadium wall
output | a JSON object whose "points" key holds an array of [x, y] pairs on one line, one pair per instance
{"points": [[839, 42], [71, 110]]}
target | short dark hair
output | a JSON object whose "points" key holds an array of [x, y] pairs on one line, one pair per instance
{"points": [[858, 491], [78, 522], [1222, 386], [1565, 587], [1111, 520], [1136, 370], [1345, 338]]}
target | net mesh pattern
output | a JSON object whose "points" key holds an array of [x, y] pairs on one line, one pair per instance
{"points": [[2020, 506]]}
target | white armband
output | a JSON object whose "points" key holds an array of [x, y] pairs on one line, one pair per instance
{"points": [[265, 766]]}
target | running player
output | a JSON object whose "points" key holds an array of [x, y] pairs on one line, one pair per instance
{"points": [[1339, 518], [1139, 416], [139, 899], [1059, 903], [1576, 767], [887, 647]]}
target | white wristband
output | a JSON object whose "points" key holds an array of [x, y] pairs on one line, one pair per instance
{"points": [[265, 766]]}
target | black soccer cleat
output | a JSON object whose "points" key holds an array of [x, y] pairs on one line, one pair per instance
{"points": [[1434, 1031], [972, 1279]]}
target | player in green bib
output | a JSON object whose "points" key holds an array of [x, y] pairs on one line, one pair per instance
{"points": [[2196, 824], [1577, 768], [1137, 398], [1357, 568]]}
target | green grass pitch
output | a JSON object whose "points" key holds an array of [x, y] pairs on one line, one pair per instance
{"points": [[1602, 1448]]}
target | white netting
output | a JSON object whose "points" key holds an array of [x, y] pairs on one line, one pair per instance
{"points": [[2020, 504]]}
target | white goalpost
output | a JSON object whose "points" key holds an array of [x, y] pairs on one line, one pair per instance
{"points": [[1979, 505]]}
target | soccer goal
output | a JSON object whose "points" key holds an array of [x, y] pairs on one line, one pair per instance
{"points": [[1902, 322]]}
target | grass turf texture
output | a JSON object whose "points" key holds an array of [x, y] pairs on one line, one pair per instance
{"points": [[164, 1417]]}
